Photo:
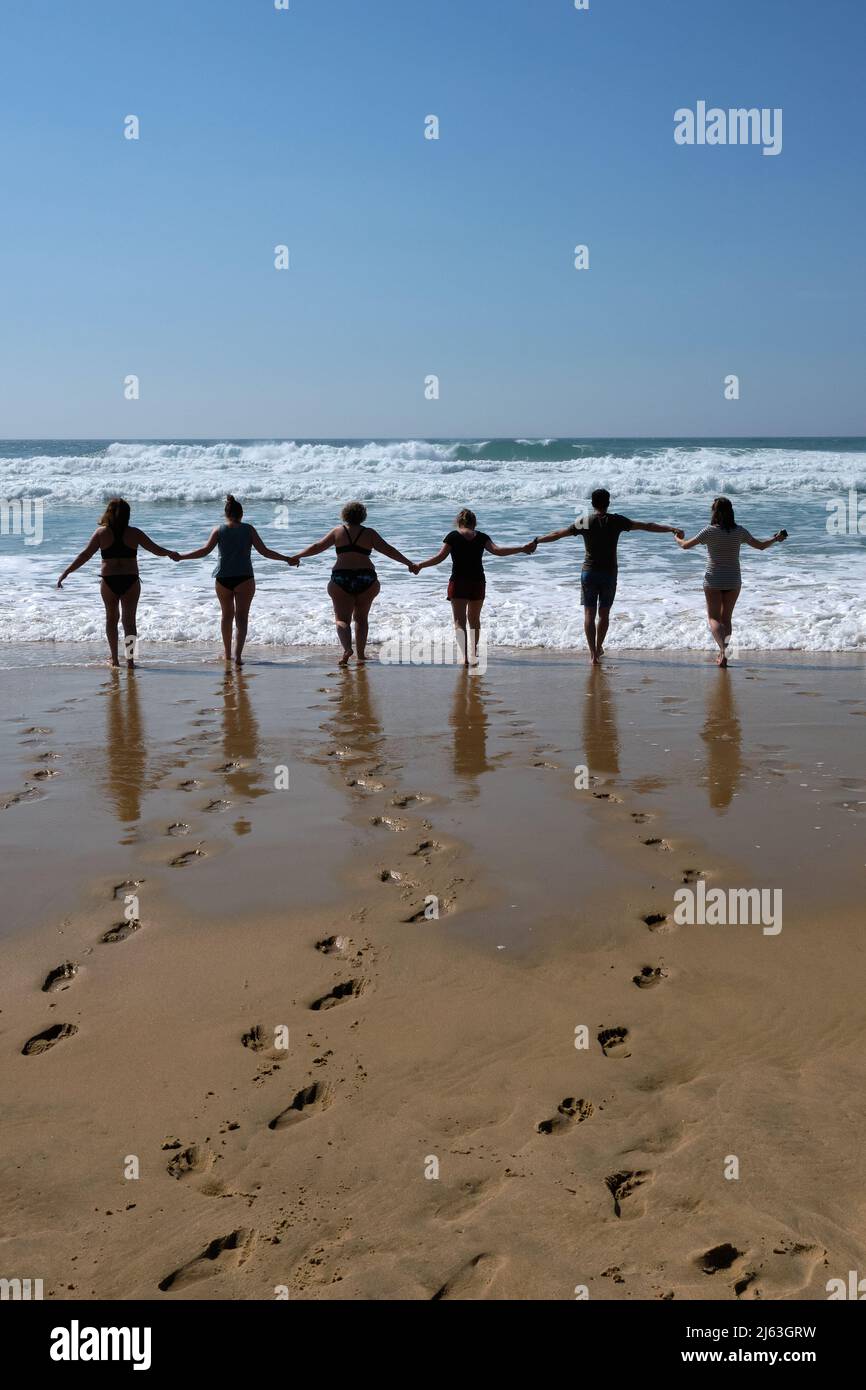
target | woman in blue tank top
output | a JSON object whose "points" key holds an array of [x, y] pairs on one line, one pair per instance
{"points": [[235, 582]]}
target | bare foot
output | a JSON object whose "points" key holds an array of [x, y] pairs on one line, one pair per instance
{"points": [[344, 659], [721, 659], [361, 658]]}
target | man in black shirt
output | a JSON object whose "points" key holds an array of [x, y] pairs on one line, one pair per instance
{"points": [[600, 530]]}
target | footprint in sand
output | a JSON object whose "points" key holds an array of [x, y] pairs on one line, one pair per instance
{"points": [[178, 827], [658, 922], [129, 885], [334, 945], [691, 875], [348, 989], [608, 796], [190, 785], [622, 1185], [654, 842], [718, 1257], [641, 817], [190, 1162], [187, 858], [614, 1042], [28, 794], [228, 1253], [60, 976], [569, 1112], [219, 805], [470, 1197], [120, 932], [649, 976], [390, 822], [404, 799], [43, 773], [308, 1101], [472, 1280], [390, 876], [41, 1042]]}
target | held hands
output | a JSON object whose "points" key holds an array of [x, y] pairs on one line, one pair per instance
{"points": [[293, 560], [781, 536], [530, 547], [679, 533], [414, 569], [173, 554]]}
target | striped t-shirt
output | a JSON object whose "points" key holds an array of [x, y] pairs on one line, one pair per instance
{"points": [[723, 565]]}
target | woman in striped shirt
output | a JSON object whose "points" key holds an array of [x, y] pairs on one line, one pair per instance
{"points": [[723, 538]]}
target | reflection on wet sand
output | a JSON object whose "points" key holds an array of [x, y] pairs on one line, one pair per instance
{"points": [[241, 740], [723, 735], [125, 752], [469, 721], [356, 718], [600, 731]]}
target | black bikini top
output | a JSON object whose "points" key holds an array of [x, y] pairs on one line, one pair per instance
{"points": [[118, 551], [353, 544]]}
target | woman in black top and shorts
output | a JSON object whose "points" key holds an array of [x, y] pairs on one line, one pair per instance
{"points": [[354, 583], [466, 587], [120, 585]]}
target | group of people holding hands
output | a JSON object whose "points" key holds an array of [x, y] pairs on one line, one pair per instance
{"points": [[354, 583]]}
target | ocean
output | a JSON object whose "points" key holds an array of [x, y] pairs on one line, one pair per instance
{"points": [[807, 595]]}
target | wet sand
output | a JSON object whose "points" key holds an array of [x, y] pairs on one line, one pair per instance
{"points": [[281, 1077]]}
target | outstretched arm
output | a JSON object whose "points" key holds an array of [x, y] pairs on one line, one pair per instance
{"points": [[147, 544], [268, 553], [654, 526], [511, 549], [204, 549], [558, 535], [434, 559], [89, 550], [385, 549], [765, 545], [317, 547], [683, 543]]}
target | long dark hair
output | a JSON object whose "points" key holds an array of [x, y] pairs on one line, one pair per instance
{"points": [[116, 517], [233, 509], [723, 513]]}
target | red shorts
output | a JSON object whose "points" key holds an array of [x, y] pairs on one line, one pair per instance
{"points": [[466, 589]]}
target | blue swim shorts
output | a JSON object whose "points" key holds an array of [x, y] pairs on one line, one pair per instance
{"points": [[597, 589]]}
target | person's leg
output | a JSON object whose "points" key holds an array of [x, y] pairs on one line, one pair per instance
{"points": [[344, 606], [715, 621], [473, 617], [589, 599], [601, 630], [360, 616], [458, 608], [729, 603], [227, 616], [243, 598], [112, 614], [128, 609]]}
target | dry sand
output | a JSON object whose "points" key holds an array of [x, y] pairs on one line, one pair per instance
{"points": [[431, 1130]]}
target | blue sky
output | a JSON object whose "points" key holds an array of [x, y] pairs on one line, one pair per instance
{"points": [[411, 257]]}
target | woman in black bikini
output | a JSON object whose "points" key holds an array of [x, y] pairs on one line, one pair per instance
{"points": [[467, 585], [235, 584], [354, 582], [120, 585]]}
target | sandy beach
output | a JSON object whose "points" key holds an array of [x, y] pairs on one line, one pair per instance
{"points": [[369, 984]]}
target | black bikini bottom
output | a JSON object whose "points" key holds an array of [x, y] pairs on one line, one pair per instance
{"points": [[231, 581], [120, 584]]}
